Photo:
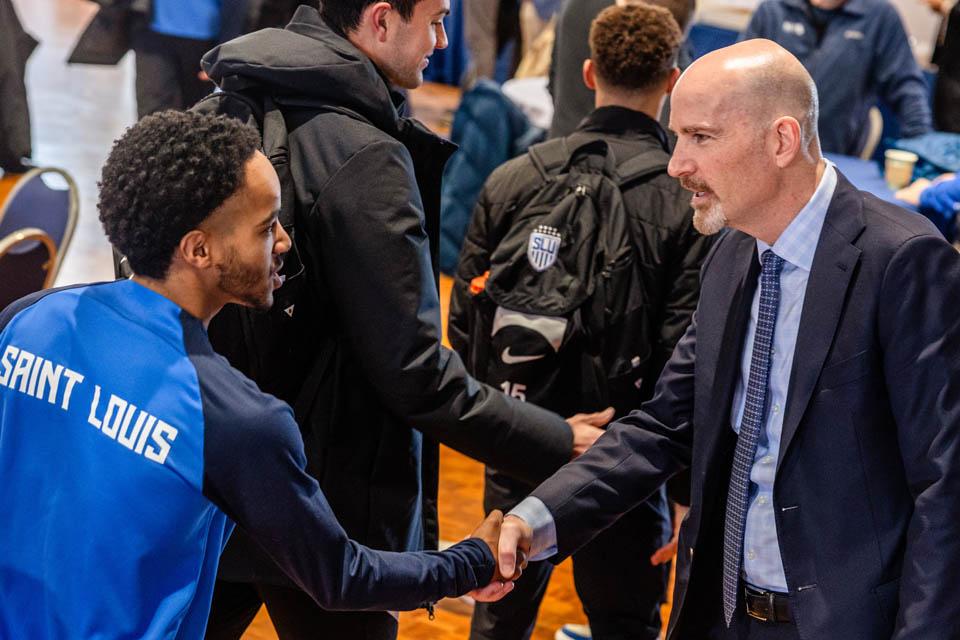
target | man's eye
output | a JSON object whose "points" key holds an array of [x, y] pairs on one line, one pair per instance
{"points": [[699, 137]]}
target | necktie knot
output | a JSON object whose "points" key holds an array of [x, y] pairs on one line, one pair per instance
{"points": [[771, 263]]}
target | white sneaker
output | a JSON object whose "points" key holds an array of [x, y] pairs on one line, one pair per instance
{"points": [[573, 632]]}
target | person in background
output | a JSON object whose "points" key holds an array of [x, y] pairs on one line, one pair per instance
{"points": [[16, 45], [572, 99], [857, 52], [946, 93], [630, 71]]}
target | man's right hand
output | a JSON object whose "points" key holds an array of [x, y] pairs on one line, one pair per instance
{"points": [[516, 538], [587, 427]]}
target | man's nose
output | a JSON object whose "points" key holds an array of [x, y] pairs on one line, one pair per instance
{"points": [[679, 165], [283, 239], [441, 37]]}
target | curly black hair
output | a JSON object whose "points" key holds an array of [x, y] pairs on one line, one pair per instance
{"points": [[164, 176], [634, 47]]}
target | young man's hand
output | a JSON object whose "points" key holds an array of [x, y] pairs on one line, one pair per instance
{"points": [[587, 427]]}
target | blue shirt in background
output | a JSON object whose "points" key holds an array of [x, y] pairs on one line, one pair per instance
{"points": [[195, 19], [856, 54]]}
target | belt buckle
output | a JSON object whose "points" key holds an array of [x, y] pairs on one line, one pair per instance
{"points": [[770, 615]]}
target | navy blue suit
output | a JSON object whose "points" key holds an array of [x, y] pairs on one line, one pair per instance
{"points": [[867, 492]]}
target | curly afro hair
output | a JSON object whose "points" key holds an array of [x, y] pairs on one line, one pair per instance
{"points": [[634, 47], [166, 175]]}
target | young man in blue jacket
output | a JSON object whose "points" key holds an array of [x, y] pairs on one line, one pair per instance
{"points": [[129, 449]]}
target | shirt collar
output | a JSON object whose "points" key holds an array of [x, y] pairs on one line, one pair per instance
{"points": [[621, 120], [798, 242]]}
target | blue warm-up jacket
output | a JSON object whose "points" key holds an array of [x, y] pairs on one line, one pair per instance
{"points": [[128, 450]]}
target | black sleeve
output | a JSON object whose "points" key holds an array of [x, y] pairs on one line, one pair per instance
{"points": [[375, 252], [254, 470]]}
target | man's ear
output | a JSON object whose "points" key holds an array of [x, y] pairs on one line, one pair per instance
{"points": [[378, 19], [787, 140], [672, 80], [194, 249], [590, 74]]}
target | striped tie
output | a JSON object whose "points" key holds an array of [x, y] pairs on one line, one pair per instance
{"points": [[753, 415]]}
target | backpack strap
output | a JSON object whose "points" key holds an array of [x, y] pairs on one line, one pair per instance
{"points": [[548, 157], [641, 165]]}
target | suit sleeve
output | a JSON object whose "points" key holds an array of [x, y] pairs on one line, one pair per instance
{"points": [[919, 329], [375, 246], [254, 471], [899, 79], [636, 455]]}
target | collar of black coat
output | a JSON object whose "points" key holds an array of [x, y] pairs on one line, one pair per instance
{"points": [[624, 122]]}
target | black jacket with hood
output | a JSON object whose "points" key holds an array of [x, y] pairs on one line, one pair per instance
{"points": [[367, 218]]}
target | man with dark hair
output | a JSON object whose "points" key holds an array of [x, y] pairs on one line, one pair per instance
{"points": [[632, 67], [382, 389], [572, 99], [130, 450]]}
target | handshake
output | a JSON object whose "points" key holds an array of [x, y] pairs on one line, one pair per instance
{"points": [[509, 540]]}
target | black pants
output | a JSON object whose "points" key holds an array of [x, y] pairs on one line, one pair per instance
{"points": [[620, 590], [167, 69], [294, 614]]}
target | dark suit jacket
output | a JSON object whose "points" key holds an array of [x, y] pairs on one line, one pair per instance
{"points": [[867, 492]]}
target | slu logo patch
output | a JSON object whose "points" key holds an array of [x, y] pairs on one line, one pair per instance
{"points": [[543, 247]]}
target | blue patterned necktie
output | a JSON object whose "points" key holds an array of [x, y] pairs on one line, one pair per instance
{"points": [[754, 411]]}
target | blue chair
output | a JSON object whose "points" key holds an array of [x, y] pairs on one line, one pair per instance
{"points": [[26, 264], [44, 199]]}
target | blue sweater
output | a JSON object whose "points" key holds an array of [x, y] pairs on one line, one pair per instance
{"points": [[861, 54], [128, 450]]}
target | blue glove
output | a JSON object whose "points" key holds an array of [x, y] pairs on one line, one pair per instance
{"points": [[943, 198]]}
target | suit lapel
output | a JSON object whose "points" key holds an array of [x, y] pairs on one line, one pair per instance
{"points": [[834, 264]]}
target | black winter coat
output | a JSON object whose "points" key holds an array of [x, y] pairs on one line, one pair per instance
{"points": [[15, 47], [367, 220], [667, 244]]}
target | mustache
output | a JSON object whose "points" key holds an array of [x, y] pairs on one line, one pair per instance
{"points": [[691, 184]]}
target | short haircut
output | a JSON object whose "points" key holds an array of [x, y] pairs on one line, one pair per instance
{"points": [[343, 16], [164, 177], [634, 47]]}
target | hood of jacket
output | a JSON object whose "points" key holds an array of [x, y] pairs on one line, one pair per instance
{"points": [[307, 64]]}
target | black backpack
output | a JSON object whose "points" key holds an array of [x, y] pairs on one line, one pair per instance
{"points": [[263, 344], [560, 320]]}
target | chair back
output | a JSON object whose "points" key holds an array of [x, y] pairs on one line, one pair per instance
{"points": [[27, 257], [46, 199]]}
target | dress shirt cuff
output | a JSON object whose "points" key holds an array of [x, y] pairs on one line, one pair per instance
{"points": [[535, 513]]}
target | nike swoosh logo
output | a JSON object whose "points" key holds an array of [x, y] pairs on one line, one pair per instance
{"points": [[509, 359]]}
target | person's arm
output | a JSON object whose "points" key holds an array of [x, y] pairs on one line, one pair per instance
{"points": [[898, 76], [375, 257], [254, 471], [919, 335]]}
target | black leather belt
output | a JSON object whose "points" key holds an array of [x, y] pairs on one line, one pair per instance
{"points": [[768, 606]]}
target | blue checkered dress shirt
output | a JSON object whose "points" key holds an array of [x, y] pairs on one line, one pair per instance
{"points": [[762, 565]]}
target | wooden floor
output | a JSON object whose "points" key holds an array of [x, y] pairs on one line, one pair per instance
{"points": [[77, 112]]}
